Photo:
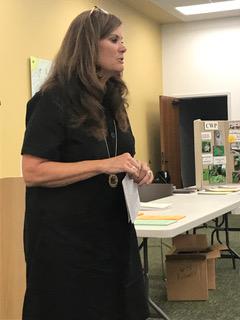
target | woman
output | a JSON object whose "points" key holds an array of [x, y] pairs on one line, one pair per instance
{"points": [[81, 250]]}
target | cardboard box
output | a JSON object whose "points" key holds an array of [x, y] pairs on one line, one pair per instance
{"points": [[190, 268], [190, 242]]}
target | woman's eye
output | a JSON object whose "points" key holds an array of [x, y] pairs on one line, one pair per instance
{"points": [[114, 40]]}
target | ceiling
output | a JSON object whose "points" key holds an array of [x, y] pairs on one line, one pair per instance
{"points": [[163, 11]]}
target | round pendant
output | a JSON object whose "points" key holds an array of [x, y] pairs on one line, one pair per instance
{"points": [[113, 180]]}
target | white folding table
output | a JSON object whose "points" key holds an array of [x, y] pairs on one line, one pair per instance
{"points": [[197, 209]]}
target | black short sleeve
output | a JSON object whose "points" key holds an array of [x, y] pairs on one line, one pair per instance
{"points": [[44, 133]]}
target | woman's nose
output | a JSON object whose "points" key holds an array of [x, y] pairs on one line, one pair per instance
{"points": [[123, 48]]}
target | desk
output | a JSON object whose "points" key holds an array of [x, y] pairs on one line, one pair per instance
{"points": [[197, 209]]}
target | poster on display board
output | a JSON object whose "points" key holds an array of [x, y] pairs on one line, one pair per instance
{"points": [[234, 142], [217, 152]]}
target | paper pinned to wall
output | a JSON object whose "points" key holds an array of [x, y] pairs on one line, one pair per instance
{"points": [[39, 71]]}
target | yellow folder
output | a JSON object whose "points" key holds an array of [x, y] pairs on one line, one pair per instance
{"points": [[144, 216]]}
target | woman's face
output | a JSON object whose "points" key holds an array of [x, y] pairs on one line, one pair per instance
{"points": [[111, 53]]}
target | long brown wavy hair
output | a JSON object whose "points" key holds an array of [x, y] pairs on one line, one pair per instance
{"points": [[76, 72]]}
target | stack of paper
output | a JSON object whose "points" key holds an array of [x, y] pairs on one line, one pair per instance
{"points": [[232, 187], [222, 189], [213, 192], [153, 216], [156, 216], [158, 220], [154, 222], [150, 205]]}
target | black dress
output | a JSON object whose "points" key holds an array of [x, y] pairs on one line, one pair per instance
{"points": [[81, 252]]}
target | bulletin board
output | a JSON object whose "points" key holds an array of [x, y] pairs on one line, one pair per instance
{"points": [[217, 152]]}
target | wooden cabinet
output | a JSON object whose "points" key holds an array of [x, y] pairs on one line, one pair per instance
{"points": [[12, 264]]}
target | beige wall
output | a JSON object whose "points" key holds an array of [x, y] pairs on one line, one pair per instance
{"points": [[209, 52], [36, 28]]}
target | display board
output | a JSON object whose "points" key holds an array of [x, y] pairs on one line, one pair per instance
{"points": [[217, 152]]}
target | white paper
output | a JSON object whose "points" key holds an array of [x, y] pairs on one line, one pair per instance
{"points": [[219, 160], [130, 189], [211, 125], [150, 205], [206, 135], [207, 158], [39, 72]]}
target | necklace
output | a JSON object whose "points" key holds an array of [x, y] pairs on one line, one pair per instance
{"points": [[112, 178]]}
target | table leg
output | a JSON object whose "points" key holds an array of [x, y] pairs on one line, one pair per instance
{"points": [[232, 253], [146, 279]]}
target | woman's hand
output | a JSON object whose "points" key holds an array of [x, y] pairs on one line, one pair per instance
{"points": [[145, 175], [122, 163], [137, 170]]}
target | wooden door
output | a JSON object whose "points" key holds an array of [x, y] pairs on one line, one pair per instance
{"points": [[170, 139]]}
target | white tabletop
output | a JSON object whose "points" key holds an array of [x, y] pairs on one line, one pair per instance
{"points": [[196, 208]]}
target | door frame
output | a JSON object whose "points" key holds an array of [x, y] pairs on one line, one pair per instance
{"points": [[202, 95]]}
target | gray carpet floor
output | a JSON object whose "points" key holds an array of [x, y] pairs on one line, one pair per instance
{"points": [[223, 302]]}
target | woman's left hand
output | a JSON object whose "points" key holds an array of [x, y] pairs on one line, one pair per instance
{"points": [[144, 175]]}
